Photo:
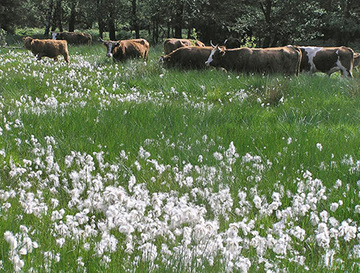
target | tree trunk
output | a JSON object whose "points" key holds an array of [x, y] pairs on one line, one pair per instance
{"points": [[111, 24], [72, 18], [135, 22], [179, 18], [48, 18], [99, 18], [266, 9], [344, 36], [168, 29], [57, 18], [155, 36]]}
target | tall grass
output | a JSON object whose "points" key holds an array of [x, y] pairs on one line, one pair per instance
{"points": [[131, 167]]}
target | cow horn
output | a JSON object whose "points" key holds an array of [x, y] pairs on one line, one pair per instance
{"points": [[101, 39], [212, 44]]}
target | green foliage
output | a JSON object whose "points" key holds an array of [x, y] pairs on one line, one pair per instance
{"points": [[268, 22]]}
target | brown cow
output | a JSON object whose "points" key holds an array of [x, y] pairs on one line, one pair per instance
{"points": [[327, 60], [285, 60], [189, 57], [47, 48], [126, 49], [172, 44], [76, 38]]}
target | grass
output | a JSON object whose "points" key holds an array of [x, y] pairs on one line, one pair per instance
{"points": [[118, 146]]}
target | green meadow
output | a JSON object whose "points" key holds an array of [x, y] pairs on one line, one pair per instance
{"points": [[130, 167]]}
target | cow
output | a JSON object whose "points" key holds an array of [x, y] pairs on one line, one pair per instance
{"points": [[172, 44], [284, 60], [232, 43], [327, 60], [47, 48], [75, 38], [127, 49], [189, 57]]}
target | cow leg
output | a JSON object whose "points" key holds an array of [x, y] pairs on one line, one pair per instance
{"points": [[349, 74], [38, 57], [66, 57]]}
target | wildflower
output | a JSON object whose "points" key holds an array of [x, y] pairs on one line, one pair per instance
{"points": [[218, 156], [319, 146], [17, 262], [257, 202], [11, 239], [347, 231], [322, 237], [334, 207]]}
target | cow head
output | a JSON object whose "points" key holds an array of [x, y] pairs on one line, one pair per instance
{"points": [[164, 59], [356, 59], [54, 35], [232, 43], [110, 47], [27, 42], [215, 55]]}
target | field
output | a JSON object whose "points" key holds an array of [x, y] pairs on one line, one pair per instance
{"points": [[129, 167]]}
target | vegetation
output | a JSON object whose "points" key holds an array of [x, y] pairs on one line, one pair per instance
{"points": [[270, 22], [118, 167]]}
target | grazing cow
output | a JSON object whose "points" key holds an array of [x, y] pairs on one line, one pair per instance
{"points": [[285, 60], [75, 38], [47, 48], [232, 43], [127, 49], [172, 44], [327, 60], [189, 57]]}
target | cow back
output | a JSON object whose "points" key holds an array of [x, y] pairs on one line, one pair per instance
{"points": [[131, 49], [190, 57], [327, 59], [75, 38], [173, 44], [284, 60]]}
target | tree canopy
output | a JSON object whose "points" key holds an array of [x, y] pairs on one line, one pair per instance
{"points": [[270, 22]]}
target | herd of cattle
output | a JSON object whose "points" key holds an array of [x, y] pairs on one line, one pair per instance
{"points": [[193, 54]]}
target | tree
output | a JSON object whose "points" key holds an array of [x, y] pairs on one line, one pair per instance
{"points": [[57, 16], [135, 19], [72, 19], [11, 11], [48, 18]]}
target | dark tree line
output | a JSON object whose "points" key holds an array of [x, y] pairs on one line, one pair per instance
{"points": [[270, 22]]}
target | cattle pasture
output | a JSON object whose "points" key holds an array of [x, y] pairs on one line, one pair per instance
{"points": [[118, 167]]}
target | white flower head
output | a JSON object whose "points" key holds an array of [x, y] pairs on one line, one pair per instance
{"points": [[319, 146]]}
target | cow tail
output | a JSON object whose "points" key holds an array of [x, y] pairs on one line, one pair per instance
{"points": [[351, 64], [351, 61], [299, 55]]}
